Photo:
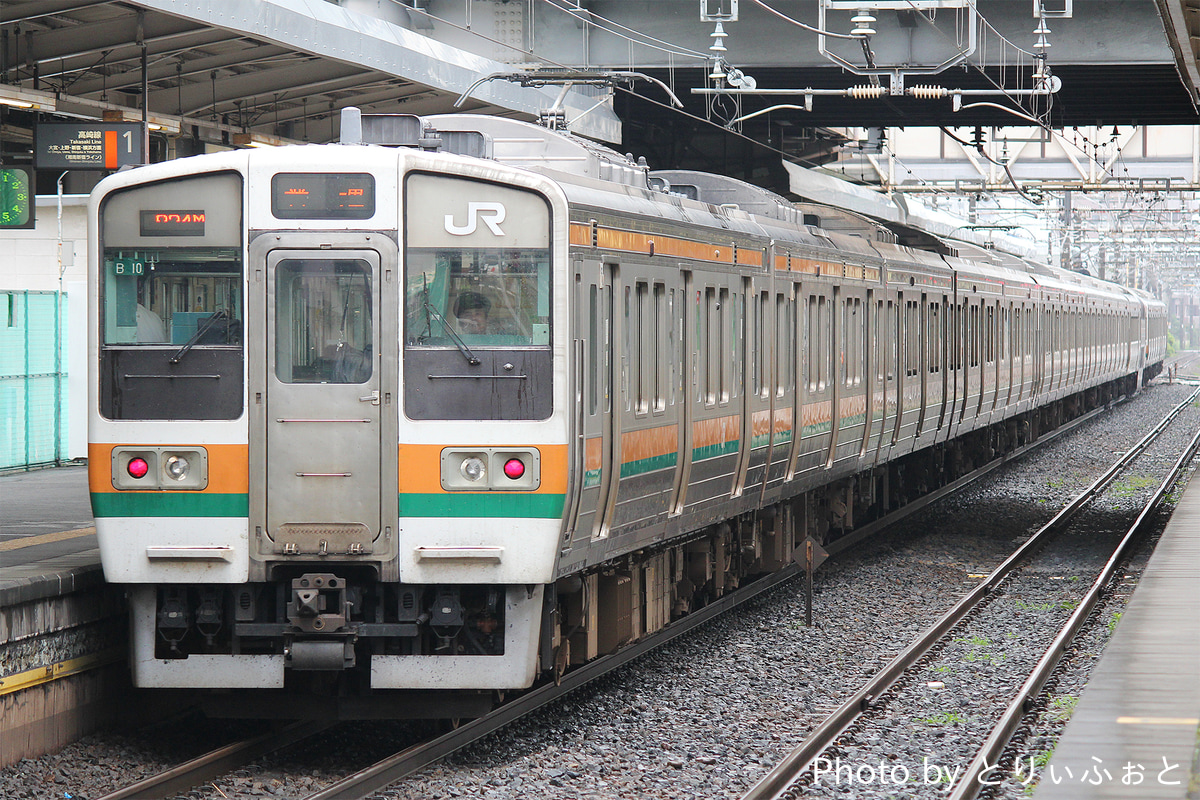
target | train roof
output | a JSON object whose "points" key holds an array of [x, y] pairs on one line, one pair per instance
{"points": [[534, 147], [693, 196]]}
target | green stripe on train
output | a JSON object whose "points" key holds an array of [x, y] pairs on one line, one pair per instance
{"points": [[642, 465], [715, 450], [170, 504], [763, 439], [482, 504]]}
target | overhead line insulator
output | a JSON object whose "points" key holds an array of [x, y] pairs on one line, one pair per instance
{"points": [[866, 92], [928, 92]]}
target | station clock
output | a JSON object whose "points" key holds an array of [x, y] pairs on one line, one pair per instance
{"points": [[16, 198]]}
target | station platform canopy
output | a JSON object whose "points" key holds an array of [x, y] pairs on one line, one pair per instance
{"points": [[263, 70]]}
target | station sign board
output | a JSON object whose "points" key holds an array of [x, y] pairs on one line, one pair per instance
{"points": [[87, 145]]}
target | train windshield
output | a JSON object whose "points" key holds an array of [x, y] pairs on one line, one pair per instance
{"points": [[172, 296], [477, 265], [171, 308], [484, 297]]}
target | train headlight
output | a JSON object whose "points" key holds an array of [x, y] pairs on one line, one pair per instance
{"points": [[172, 468], [473, 469], [490, 469], [177, 467]]}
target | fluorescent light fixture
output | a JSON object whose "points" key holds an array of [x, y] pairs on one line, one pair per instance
{"points": [[17, 97], [168, 125], [256, 140]]}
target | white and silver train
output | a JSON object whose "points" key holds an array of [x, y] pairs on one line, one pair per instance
{"points": [[390, 428]]}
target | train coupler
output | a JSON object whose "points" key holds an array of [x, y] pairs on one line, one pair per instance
{"points": [[318, 603], [319, 608]]}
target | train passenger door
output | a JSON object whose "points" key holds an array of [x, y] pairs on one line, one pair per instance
{"points": [[324, 397]]}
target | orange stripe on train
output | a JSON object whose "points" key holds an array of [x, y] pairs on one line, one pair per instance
{"points": [[706, 432], [649, 443], [228, 466], [421, 467]]}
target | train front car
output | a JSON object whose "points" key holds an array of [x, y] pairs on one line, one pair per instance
{"points": [[328, 433]]}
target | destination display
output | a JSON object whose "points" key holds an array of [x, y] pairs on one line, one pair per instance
{"points": [[172, 223], [323, 195]]}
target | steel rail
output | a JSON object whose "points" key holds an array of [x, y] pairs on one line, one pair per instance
{"points": [[778, 781], [185, 776], [988, 757]]}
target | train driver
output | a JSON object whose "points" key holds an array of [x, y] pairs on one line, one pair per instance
{"points": [[472, 310]]}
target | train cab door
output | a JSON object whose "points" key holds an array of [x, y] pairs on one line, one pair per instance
{"points": [[324, 395]]}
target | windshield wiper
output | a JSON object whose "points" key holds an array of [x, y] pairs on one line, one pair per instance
{"points": [[208, 325], [462, 347]]}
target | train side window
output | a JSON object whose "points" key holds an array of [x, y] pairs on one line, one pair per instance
{"points": [[629, 374], [661, 343], [883, 339], [810, 336], [852, 342], [972, 336], [1016, 331], [934, 339], [823, 343], [1030, 327], [859, 322], [912, 340], [675, 308], [728, 344], [762, 354], [639, 348], [784, 359], [892, 349], [990, 346], [593, 348], [710, 360], [845, 368]]}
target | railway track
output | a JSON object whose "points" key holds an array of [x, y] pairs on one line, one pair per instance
{"points": [[214, 763], [206, 767], [795, 771]]}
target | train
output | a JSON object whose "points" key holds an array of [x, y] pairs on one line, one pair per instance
{"points": [[395, 425]]}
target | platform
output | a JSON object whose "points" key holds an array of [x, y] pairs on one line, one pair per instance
{"points": [[1135, 733], [62, 629], [47, 534]]}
